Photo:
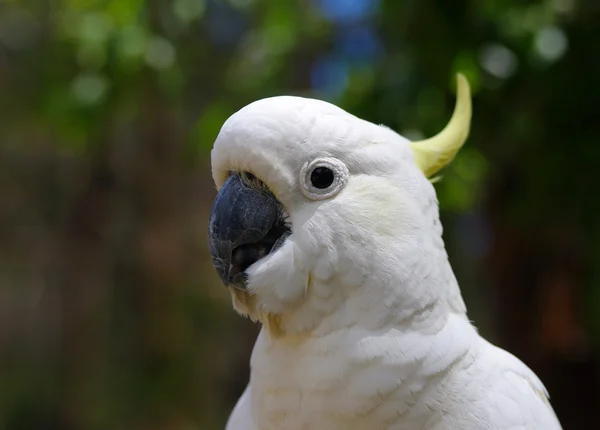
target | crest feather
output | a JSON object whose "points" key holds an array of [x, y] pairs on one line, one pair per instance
{"points": [[434, 153]]}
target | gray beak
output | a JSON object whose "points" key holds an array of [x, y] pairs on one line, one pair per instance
{"points": [[246, 224]]}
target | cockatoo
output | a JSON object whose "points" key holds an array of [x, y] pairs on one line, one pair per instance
{"points": [[325, 229]]}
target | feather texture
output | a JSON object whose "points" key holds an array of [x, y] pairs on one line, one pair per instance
{"points": [[364, 325]]}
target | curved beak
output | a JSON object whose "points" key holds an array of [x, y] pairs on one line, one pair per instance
{"points": [[245, 225]]}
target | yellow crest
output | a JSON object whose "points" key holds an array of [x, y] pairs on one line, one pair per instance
{"points": [[438, 151]]}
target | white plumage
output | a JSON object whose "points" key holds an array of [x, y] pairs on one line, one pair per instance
{"points": [[364, 326]]}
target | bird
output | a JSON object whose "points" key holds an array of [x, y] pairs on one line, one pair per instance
{"points": [[325, 229]]}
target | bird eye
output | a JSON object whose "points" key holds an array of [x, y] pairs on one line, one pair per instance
{"points": [[322, 178]]}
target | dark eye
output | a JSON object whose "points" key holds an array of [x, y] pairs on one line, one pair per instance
{"points": [[322, 177]]}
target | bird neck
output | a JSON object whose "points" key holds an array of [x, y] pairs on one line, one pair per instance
{"points": [[331, 306], [311, 369]]}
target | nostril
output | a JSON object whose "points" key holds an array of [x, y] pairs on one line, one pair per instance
{"points": [[243, 257]]}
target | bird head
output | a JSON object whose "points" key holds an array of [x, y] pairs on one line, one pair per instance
{"points": [[321, 216]]}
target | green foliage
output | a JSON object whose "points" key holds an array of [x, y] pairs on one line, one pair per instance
{"points": [[112, 314]]}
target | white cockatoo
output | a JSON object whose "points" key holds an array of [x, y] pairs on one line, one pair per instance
{"points": [[326, 230]]}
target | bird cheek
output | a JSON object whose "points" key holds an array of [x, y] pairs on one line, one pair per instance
{"points": [[353, 277], [276, 281], [326, 261], [324, 268], [319, 248]]}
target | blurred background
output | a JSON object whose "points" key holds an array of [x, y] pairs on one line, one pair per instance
{"points": [[111, 315]]}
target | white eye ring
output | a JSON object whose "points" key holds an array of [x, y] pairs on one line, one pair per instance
{"points": [[340, 178]]}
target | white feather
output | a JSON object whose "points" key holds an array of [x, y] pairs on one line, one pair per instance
{"points": [[364, 326]]}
